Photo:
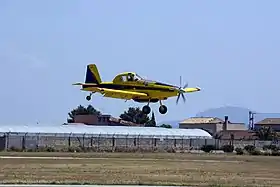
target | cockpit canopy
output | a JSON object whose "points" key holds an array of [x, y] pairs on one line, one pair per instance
{"points": [[127, 77]]}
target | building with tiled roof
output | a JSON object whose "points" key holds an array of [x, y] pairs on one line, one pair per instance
{"points": [[274, 123], [202, 120], [102, 120], [212, 125]]}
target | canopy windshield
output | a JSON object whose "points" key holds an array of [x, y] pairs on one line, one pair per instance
{"points": [[138, 77]]}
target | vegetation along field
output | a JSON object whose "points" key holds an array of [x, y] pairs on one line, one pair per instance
{"points": [[140, 168]]}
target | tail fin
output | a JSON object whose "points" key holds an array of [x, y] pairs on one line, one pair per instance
{"points": [[92, 74]]}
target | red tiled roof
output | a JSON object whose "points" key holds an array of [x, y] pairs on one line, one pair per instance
{"points": [[269, 121], [202, 120], [123, 122], [93, 120]]}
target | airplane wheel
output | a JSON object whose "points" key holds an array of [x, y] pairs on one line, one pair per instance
{"points": [[88, 98], [162, 109], [146, 109]]}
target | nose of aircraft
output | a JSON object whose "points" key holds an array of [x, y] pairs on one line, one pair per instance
{"points": [[198, 88]]}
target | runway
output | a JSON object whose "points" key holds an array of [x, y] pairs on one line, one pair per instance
{"points": [[44, 185], [122, 159]]}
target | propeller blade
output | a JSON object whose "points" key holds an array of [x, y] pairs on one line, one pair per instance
{"points": [[184, 98], [180, 81], [186, 85], [177, 100]]}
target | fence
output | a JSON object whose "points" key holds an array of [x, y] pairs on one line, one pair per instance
{"points": [[109, 143]]}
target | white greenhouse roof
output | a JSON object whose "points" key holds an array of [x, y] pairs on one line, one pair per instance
{"points": [[104, 131]]}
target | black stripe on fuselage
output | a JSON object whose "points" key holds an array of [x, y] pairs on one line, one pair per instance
{"points": [[127, 87], [163, 84]]}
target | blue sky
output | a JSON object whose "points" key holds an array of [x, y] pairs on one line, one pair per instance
{"points": [[228, 48]]}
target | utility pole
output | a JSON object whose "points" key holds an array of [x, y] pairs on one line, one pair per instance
{"points": [[251, 120]]}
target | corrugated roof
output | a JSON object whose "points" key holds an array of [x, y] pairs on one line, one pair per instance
{"points": [[202, 120], [81, 129], [269, 121]]}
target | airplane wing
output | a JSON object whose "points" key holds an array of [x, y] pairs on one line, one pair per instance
{"points": [[121, 94]]}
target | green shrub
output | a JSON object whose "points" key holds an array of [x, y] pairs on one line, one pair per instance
{"points": [[90, 149], [266, 153], [40, 149], [75, 149], [270, 147], [50, 149], [275, 153], [239, 151], [79, 149], [249, 148], [207, 148], [171, 150], [14, 149], [255, 152], [71, 149], [228, 148]]}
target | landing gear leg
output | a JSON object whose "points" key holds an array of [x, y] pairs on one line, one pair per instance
{"points": [[89, 97], [162, 108], [146, 109]]}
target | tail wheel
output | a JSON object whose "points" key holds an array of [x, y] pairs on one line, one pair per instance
{"points": [[88, 97], [163, 109], [146, 109]]}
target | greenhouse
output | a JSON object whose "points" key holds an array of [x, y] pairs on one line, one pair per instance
{"points": [[82, 130]]}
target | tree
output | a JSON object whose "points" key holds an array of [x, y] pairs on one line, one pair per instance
{"points": [[217, 135], [266, 133], [81, 110], [152, 121], [135, 115], [165, 126]]}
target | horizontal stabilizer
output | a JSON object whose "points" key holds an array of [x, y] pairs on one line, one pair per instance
{"points": [[84, 84]]}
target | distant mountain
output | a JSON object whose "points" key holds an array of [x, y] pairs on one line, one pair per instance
{"points": [[235, 114]]}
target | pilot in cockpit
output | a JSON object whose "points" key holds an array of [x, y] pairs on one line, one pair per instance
{"points": [[130, 77]]}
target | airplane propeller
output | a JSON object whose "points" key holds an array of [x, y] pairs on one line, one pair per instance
{"points": [[181, 91]]}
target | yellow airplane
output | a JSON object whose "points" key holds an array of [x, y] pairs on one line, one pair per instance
{"points": [[129, 85]]}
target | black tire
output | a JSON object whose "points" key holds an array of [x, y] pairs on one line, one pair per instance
{"points": [[163, 109], [146, 109], [88, 98]]}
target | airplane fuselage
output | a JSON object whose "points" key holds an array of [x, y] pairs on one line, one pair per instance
{"points": [[156, 91]]}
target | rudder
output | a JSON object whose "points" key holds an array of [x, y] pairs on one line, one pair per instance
{"points": [[92, 74]]}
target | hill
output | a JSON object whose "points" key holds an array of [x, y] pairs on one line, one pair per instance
{"points": [[235, 114]]}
